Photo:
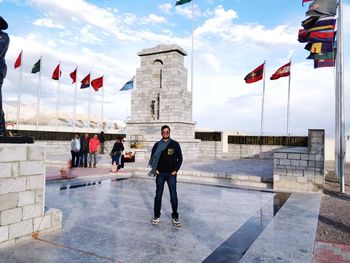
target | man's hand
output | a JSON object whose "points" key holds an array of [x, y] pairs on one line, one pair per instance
{"points": [[157, 172], [173, 173]]}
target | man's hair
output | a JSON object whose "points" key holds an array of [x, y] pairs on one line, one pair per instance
{"points": [[164, 127]]}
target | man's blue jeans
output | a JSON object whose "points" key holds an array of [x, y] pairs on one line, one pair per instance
{"points": [[160, 181]]}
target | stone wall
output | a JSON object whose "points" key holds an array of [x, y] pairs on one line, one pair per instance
{"points": [[22, 194], [244, 151], [301, 168]]}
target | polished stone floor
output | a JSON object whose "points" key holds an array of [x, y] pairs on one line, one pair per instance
{"points": [[109, 221]]}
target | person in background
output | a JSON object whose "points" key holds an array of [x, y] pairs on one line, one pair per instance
{"points": [[84, 150], [102, 142], [75, 147], [94, 144], [116, 152]]}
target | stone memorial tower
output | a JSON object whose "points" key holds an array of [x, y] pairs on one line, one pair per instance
{"points": [[161, 97]]}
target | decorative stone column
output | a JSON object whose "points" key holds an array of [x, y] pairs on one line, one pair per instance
{"points": [[22, 194]]}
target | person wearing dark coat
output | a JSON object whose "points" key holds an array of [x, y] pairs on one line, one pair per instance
{"points": [[84, 150], [117, 152]]}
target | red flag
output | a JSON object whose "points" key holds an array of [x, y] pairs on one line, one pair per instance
{"points": [[255, 75], [57, 73], [283, 71], [304, 1], [18, 62], [85, 83], [73, 75], [97, 83]]}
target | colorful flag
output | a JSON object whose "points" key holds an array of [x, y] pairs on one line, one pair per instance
{"points": [[320, 47], [327, 55], [321, 63], [322, 7], [85, 83], [302, 36], [36, 67], [304, 1], [57, 73], [97, 83], [256, 75], [321, 36], [18, 62], [181, 2], [73, 75], [129, 85], [309, 22], [322, 23], [283, 71]]}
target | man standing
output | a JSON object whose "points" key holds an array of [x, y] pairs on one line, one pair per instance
{"points": [[102, 142], [4, 44], [166, 160], [84, 150], [75, 146], [94, 145]]}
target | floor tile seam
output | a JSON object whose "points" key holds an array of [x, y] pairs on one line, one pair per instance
{"points": [[252, 218]]}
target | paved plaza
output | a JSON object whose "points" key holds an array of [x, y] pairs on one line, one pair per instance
{"points": [[109, 221]]}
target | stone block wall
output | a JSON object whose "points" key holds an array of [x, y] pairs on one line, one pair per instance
{"points": [[22, 194], [243, 151], [301, 168]]}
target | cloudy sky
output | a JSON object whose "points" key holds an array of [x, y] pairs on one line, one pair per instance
{"points": [[231, 38]]}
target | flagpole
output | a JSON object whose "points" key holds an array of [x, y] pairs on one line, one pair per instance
{"points": [[192, 59], [288, 104], [75, 99], [19, 91], [103, 96], [89, 104], [38, 96], [262, 104], [340, 96], [58, 95]]}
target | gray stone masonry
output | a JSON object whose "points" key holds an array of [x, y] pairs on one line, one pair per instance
{"points": [[301, 168], [22, 184], [160, 95]]}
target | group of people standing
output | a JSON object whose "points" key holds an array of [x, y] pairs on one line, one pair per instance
{"points": [[82, 148]]}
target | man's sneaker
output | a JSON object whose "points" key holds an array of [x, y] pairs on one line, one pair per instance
{"points": [[155, 221], [176, 222]]}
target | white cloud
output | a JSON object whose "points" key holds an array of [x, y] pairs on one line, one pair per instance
{"points": [[165, 8], [186, 11], [46, 22], [154, 19], [211, 62]]}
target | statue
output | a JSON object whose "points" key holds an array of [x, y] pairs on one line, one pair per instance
{"points": [[4, 44]]}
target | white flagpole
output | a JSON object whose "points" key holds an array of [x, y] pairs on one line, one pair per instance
{"points": [[38, 96], [19, 92], [340, 103], [89, 103], [262, 104], [58, 95], [192, 58], [103, 97], [288, 104], [75, 99]]}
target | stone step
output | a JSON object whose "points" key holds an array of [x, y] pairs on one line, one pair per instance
{"points": [[224, 179]]}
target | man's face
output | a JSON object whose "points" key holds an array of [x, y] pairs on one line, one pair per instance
{"points": [[166, 133]]}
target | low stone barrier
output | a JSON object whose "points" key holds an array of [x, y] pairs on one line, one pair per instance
{"points": [[301, 168], [22, 194]]}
